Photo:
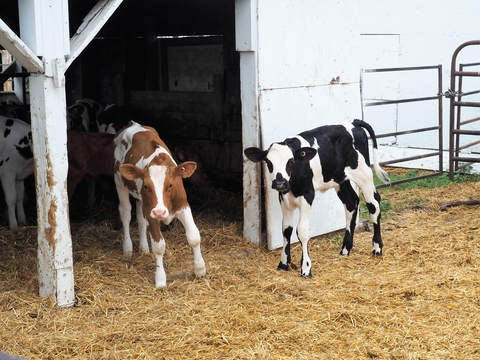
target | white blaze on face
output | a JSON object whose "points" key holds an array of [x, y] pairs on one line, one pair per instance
{"points": [[158, 175], [278, 155]]}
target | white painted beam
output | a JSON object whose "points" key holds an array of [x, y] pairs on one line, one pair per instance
{"points": [[44, 27], [91, 25], [21, 52], [49, 135], [246, 35]]}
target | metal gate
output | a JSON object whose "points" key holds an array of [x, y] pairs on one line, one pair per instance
{"points": [[436, 124], [456, 160]]}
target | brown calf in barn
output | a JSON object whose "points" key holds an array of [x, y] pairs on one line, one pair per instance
{"points": [[145, 169], [90, 157]]}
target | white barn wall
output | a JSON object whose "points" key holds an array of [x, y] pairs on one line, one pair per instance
{"points": [[428, 33], [298, 57], [301, 46]]}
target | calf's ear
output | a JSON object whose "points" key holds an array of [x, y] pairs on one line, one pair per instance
{"points": [[185, 169], [305, 154], [131, 172], [255, 154]]}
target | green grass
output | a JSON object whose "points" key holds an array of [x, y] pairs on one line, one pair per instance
{"points": [[465, 175], [390, 211]]}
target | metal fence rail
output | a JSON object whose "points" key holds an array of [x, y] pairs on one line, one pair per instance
{"points": [[456, 104], [437, 127]]}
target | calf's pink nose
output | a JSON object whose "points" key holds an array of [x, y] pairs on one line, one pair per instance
{"points": [[159, 212]]}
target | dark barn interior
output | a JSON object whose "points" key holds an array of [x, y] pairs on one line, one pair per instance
{"points": [[170, 64]]}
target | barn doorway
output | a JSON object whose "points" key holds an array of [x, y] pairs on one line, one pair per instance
{"points": [[175, 68]]}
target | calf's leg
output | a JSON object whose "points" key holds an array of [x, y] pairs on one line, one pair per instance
{"points": [[372, 198], [303, 233], [193, 238], [287, 231], [142, 228], [9, 190], [350, 201], [373, 206], [158, 250], [20, 189], [125, 210]]}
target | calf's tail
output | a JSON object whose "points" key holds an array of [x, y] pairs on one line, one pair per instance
{"points": [[382, 174]]}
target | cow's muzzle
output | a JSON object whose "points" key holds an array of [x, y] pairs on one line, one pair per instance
{"points": [[281, 184]]}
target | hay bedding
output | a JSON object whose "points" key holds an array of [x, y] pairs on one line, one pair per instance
{"points": [[420, 301]]}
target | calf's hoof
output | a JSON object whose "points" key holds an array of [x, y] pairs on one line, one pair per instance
{"points": [[144, 250], [200, 270], [308, 276], [282, 266], [377, 253], [344, 252]]}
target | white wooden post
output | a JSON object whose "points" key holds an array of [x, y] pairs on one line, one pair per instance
{"points": [[44, 28], [246, 34]]}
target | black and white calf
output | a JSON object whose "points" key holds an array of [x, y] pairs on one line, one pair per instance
{"points": [[327, 157], [16, 164], [83, 115]]}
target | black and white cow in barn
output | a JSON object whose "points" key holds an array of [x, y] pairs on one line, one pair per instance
{"points": [[113, 118], [83, 115], [326, 157], [16, 164], [145, 169]]}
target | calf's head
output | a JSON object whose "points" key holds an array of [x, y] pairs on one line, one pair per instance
{"points": [[160, 184], [282, 161]]}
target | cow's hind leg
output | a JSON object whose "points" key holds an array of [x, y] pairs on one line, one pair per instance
{"points": [[374, 208], [350, 200], [372, 198]]}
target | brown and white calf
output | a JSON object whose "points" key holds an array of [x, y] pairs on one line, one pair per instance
{"points": [[145, 169], [16, 164], [90, 157]]}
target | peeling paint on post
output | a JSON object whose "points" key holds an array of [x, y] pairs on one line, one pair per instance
{"points": [[49, 39], [55, 264]]}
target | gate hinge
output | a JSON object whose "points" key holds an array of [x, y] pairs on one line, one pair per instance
{"points": [[450, 94]]}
